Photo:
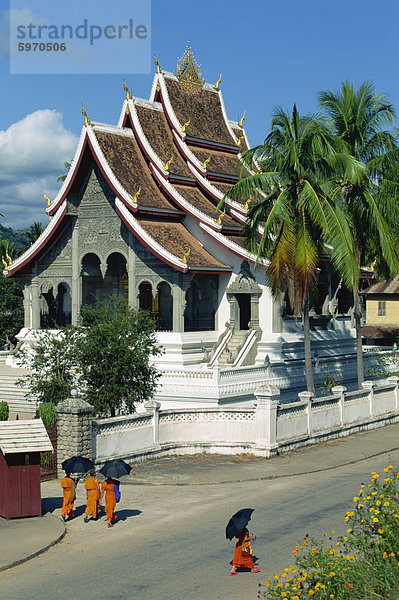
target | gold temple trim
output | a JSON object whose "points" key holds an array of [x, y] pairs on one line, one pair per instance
{"points": [[134, 199], [189, 72], [205, 163], [183, 127], [128, 94], [185, 257], [87, 120], [167, 165], [219, 81], [220, 217]]}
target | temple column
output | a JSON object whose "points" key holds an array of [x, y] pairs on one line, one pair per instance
{"points": [[277, 313], [76, 288], [178, 307], [35, 322], [254, 317], [132, 292], [27, 306]]}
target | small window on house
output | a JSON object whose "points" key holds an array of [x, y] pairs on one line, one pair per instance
{"points": [[382, 309]]}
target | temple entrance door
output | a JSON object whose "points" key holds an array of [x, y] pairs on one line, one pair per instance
{"points": [[244, 309]]}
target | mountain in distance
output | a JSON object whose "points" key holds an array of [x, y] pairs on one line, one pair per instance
{"points": [[14, 237]]}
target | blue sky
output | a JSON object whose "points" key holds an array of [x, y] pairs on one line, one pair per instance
{"points": [[270, 53]]}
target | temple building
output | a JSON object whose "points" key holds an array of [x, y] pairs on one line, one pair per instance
{"points": [[137, 216]]}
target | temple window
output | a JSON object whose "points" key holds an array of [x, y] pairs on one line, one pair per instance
{"points": [[201, 304]]}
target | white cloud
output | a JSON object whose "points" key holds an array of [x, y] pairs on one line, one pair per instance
{"points": [[32, 156]]}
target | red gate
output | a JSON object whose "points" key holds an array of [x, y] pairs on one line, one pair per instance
{"points": [[48, 460]]}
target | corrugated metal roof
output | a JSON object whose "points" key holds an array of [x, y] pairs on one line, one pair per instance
{"points": [[390, 286], [24, 436]]}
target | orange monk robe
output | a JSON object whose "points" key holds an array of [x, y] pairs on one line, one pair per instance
{"points": [[67, 507], [110, 500], [240, 561], [93, 496]]}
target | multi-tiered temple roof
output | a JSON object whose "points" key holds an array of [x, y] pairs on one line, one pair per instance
{"points": [[171, 157]]}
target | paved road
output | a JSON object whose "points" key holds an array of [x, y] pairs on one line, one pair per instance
{"points": [[169, 543]]}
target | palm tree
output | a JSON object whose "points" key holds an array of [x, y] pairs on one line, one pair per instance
{"points": [[33, 232], [358, 118], [67, 165], [294, 217]]}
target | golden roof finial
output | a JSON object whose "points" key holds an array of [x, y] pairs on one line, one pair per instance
{"points": [[9, 259], [87, 120], [219, 81], [185, 257], [205, 163], [241, 122], [188, 71], [157, 63], [47, 199], [183, 127], [167, 165], [247, 203], [127, 110], [372, 266], [5, 265], [128, 94], [240, 139], [220, 217], [134, 198]]}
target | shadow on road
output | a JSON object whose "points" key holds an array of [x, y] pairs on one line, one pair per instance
{"points": [[125, 513]]}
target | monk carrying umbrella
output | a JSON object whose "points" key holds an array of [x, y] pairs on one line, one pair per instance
{"points": [[93, 494]]}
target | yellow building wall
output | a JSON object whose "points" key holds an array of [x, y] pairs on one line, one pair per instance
{"points": [[391, 309]]}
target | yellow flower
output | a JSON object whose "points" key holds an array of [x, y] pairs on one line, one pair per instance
{"points": [[279, 584], [295, 598], [349, 530], [331, 595], [332, 552], [311, 592], [345, 538], [276, 577], [380, 531], [356, 499], [378, 503], [388, 468], [392, 554], [333, 531], [386, 503], [384, 555], [294, 552], [387, 479], [332, 574]]}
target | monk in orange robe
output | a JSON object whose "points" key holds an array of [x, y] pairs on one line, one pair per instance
{"points": [[69, 486], [243, 556], [107, 486], [92, 497]]}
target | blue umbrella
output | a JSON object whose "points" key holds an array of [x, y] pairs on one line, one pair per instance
{"points": [[77, 464], [238, 521]]}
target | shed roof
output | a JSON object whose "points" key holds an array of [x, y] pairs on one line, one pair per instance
{"points": [[24, 436]]}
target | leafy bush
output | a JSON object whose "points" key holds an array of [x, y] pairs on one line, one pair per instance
{"points": [[361, 565], [107, 357], [3, 411], [47, 414]]}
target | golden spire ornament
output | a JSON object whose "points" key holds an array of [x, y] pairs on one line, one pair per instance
{"points": [[219, 81], [47, 199], [205, 163], [167, 165], [128, 94], [183, 127], [157, 64], [220, 217], [185, 257], [9, 259], [134, 198], [5, 265], [241, 122], [84, 113]]}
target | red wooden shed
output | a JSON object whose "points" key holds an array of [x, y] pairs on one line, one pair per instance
{"points": [[20, 445]]}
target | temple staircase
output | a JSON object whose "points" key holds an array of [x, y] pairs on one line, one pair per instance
{"points": [[235, 349], [13, 394]]}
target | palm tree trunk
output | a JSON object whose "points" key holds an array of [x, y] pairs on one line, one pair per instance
{"points": [[308, 350], [358, 328]]}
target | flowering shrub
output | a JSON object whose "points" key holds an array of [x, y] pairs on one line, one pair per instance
{"points": [[360, 565]]}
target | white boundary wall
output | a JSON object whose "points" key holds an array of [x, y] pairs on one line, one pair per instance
{"points": [[265, 430]]}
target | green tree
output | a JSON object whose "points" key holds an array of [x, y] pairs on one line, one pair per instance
{"points": [[358, 118], [33, 232], [112, 353], [11, 308], [106, 357], [51, 365], [293, 217]]}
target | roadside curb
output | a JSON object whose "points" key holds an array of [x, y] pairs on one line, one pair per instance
{"points": [[264, 478], [34, 554]]}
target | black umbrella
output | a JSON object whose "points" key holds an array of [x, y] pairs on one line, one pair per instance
{"points": [[238, 521], [115, 468], [77, 464]]}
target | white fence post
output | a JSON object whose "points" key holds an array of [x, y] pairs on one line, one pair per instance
{"points": [[395, 381], [369, 386], [340, 390], [153, 407], [267, 399], [307, 397]]}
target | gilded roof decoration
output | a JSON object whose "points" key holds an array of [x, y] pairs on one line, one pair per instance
{"points": [[189, 72]]}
